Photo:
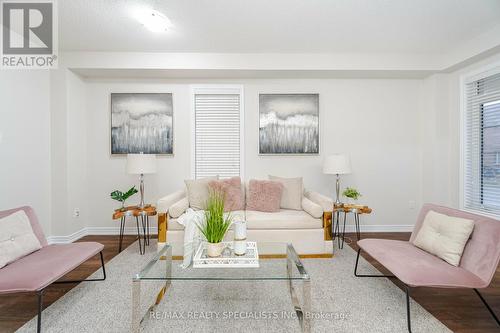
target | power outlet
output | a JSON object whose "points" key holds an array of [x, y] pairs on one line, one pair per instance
{"points": [[76, 213], [412, 204]]}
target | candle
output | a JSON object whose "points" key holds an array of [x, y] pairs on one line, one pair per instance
{"points": [[240, 247], [240, 230]]}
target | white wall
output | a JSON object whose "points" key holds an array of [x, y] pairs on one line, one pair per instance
{"points": [[376, 121], [440, 132], [403, 137], [69, 154], [25, 142]]}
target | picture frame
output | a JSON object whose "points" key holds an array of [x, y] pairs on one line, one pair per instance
{"points": [[289, 124], [141, 123]]}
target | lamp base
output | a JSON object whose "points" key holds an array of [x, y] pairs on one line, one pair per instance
{"points": [[338, 203], [141, 188]]}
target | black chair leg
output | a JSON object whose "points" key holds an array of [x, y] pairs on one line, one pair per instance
{"points": [[487, 306], [366, 275], [407, 289], [40, 308], [40, 293], [408, 315], [101, 279], [138, 234], [122, 230]]}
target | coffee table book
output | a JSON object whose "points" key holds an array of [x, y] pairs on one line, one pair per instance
{"points": [[228, 259]]}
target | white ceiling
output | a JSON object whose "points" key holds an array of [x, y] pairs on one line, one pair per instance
{"points": [[279, 26]]}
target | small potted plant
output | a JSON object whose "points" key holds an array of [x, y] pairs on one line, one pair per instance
{"points": [[216, 224], [122, 197], [351, 194]]}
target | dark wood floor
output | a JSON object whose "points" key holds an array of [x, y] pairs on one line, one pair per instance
{"points": [[460, 310], [17, 309]]}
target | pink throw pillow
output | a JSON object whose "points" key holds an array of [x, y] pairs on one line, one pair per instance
{"points": [[231, 188], [264, 195]]}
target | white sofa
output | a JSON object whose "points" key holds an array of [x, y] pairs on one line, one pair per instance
{"points": [[309, 235]]}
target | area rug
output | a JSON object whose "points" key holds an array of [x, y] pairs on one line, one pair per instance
{"points": [[340, 302]]}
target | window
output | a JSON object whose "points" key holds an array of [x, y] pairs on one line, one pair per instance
{"points": [[218, 131], [482, 145]]}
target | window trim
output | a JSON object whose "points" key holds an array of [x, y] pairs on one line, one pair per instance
{"points": [[216, 89], [480, 73]]}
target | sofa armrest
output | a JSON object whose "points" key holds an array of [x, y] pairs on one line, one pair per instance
{"points": [[164, 203], [325, 202]]}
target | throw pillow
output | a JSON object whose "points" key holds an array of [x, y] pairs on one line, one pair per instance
{"points": [[312, 208], [444, 236], [198, 192], [264, 195], [293, 191], [17, 238], [231, 188], [178, 208]]}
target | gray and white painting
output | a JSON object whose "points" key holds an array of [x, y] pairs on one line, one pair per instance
{"points": [[289, 123], [141, 123]]}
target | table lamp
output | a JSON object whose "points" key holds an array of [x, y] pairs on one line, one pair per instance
{"points": [[338, 164], [141, 164]]}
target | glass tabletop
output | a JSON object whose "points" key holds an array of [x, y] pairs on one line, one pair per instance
{"points": [[277, 261]]}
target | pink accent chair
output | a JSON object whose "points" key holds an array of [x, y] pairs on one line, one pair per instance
{"points": [[36, 271], [417, 268]]}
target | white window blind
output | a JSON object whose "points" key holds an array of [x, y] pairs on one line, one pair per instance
{"points": [[482, 145], [217, 135]]}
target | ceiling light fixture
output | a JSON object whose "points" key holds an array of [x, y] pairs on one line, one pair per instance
{"points": [[153, 20]]}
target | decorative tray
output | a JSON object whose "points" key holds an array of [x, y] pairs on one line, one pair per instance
{"points": [[228, 259]]}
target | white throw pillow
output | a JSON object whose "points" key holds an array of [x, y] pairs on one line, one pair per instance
{"points": [[178, 208], [198, 192], [312, 208], [444, 236], [293, 191], [17, 238]]}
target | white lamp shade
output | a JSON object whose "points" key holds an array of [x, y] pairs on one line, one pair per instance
{"points": [[338, 164], [141, 163]]}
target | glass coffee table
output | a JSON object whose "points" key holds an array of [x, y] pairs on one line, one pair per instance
{"points": [[280, 262]]}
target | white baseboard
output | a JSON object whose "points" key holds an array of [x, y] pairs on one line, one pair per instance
{"points": [[380, 228], [133, 231], [67, 239], [95, 231], [116, 230]]}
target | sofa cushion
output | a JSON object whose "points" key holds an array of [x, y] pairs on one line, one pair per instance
{"points": [[444, 236], [17, 238], [312, 208], [416, 267], [174, 225], [293, 191], [325, 202], [284, 219], [231, 188], [198, 192], [178, 208], [264, 195], [164, 204], [41, 268]]}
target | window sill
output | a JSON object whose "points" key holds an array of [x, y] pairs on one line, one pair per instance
{"points": [[481, 212]]}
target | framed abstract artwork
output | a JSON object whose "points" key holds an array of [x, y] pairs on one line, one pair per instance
{"points": [[142, 122], [288, 124]]}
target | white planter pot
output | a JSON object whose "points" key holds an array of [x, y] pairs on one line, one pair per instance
{"points": [[350, 201], [214, 249]]}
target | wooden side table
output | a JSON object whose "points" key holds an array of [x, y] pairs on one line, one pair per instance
{"points": [[356, 210], [137, 212]]}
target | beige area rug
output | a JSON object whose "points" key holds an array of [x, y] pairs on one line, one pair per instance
{"points": [[340, 302]]}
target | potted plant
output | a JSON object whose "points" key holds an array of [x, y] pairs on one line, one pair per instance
{"points": [[216, 224], [351, 194], [122, 197]]}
